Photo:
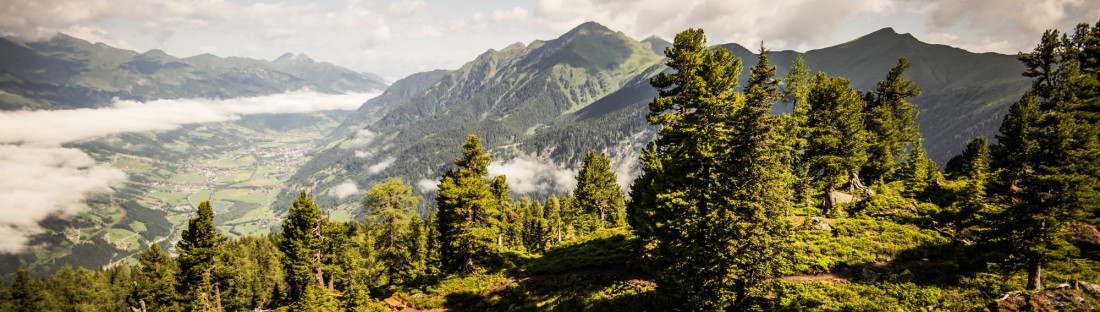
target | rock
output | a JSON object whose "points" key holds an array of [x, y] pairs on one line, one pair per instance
{"points": [[870, 275], [823, 226]]}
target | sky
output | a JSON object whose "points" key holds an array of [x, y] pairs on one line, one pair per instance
{"points": [[396, 38]]}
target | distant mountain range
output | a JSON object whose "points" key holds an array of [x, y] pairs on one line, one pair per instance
{"points": [[67, 72], [589, 89]]}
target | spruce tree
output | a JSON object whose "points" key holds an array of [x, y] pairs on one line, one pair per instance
{"points": [[796, 88], [836, 147], [154, 281], [27, 293], [302, 246], [891, 121], [1046, 159], [716, 179], [553, 219], [389, 208], [598, 194], [197, 282], [468, 212]]}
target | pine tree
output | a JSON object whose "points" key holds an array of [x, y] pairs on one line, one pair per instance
{"points": [[553, 219], [302, 246], [27, 293], [154, 281], [196, 280], [918, 172], [837, 144], [467, 210], [534, 228], [891, 121], [598, 194], [716, 180], [1048, 171], [389, 207], [795, 91]]}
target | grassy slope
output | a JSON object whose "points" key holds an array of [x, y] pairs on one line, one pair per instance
{"points": [[861, 264]]}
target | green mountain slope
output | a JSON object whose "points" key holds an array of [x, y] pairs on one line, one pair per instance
{"points": [[504, 96], [66, 72]]}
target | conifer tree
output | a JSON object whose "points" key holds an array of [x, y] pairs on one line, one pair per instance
{"points": [[302, 246], [154, 281], [389, 207], [598, 194], [1048, 168], [716, 179], [27, 293], [198, 247], [891, 121], [534, 228], [795, 90], [553, 219], [468, 211], [837, 144]]}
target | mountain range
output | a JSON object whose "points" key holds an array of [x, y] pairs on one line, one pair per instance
{"points": [[67, 72], [589, 89]]}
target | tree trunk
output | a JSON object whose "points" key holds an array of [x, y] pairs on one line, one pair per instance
{"points": [[469, 267], [218, 297], [1034, 275], [320, 278], [830, 201]]}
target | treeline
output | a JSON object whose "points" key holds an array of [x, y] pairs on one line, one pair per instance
{"points": [[712, 216]]}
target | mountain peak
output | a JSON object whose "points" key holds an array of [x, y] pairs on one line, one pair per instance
{"points": [[291, 57], [587, 28]]}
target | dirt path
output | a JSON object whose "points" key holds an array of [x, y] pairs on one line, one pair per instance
{"points": [[827, 278]]}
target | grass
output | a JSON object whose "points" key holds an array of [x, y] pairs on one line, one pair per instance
{"points": [[170, 198], [186, 177]]}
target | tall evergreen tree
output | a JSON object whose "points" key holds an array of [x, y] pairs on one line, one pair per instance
{"points": [[198, 249], [837, 143], [716, 179], [796, 89], [598, 194], [553, 219], [389, 206], [1046, 159], [467, 210], [891, 121], [154, 281], [27, 294], [302, 245]]}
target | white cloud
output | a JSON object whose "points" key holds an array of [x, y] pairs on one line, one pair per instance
{"points": [[41, 182], [513, 14], [63, 126], [43, 179], [343, 190], [382, 165], [527, 174], [426, 185]]}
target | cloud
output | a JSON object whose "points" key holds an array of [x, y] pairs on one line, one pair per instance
{"points": [[426, 185], [343, 190], [382, 165], [1004, 25], [64, 126], [41, 182], [527, 174], [43, 179]]}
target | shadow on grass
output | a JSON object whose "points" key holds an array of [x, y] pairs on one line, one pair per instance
{"points": [[599, 274]]}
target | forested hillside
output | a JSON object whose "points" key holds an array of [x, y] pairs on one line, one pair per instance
{"points": [[834, 205], [589, 89]]}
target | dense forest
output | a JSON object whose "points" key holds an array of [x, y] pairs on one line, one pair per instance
{"points": [[832, 206]]}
